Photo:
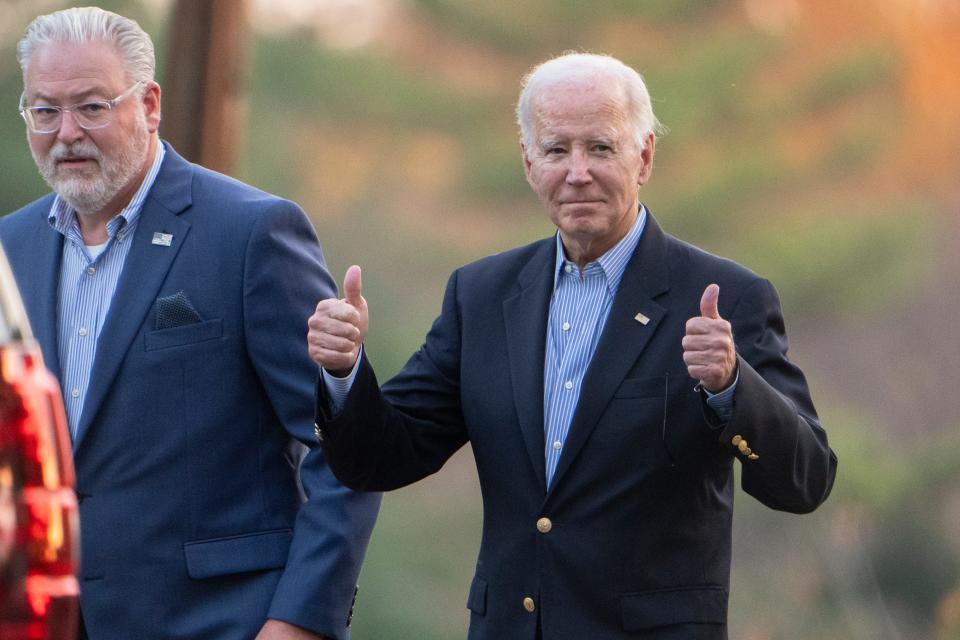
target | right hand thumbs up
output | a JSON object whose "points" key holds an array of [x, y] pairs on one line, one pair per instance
{"points": [[338, 328], [351, 287]]}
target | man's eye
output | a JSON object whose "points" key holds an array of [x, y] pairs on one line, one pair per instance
{"points": [[92, 108], [44, 112], [552, 151], [602, 148]]}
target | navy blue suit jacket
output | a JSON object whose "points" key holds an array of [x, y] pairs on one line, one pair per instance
{"points": [[640, 507], [192, 521]]}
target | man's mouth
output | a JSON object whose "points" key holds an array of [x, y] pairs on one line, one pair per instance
{"points": [[74, 161]]}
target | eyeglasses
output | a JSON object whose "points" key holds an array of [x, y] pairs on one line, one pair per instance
{"points": [[88, 115]]}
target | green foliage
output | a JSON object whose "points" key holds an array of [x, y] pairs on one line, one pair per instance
{"points": [[852, 75], [292, 76], [701, 89], [871, 472], [849, 262]]}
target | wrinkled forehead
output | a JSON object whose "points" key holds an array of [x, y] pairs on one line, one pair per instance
{"points": [[67, 56], [580, 101], [71, 67]]}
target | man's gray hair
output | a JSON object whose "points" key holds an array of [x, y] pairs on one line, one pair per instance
{"points": [[83, 25], [572, 67]]}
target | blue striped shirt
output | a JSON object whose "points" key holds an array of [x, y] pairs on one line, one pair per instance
{"points": [[87, 285], [578, 312]]}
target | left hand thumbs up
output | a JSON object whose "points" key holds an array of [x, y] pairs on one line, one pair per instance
{"points": [[708, 348], [708, 302]]}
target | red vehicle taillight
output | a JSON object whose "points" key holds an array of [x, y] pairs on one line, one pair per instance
{"points": [[41, 479]]}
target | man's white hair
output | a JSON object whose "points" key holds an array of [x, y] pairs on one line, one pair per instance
{"points": [[572, 67], [83, 25]]}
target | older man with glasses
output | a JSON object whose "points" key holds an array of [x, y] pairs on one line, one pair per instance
{"points": [[170, 302]]}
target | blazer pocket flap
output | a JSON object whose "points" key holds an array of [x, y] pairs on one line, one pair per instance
{"points": [[237, 554], [693, 605], [184, 334], [477, 600]]}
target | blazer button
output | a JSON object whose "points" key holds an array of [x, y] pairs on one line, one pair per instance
{"points": [[529, 605], [744, 448], [735, 441], [753, 456], [318, 432], [544, 525]]}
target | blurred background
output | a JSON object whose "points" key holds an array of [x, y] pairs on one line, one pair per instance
{"points": [[814, 141]]}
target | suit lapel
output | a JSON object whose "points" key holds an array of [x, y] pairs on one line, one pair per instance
{"points": [[525, 314], [622, 341], [40, 296], [146, 266]]}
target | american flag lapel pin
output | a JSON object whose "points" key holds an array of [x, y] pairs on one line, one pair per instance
{"points": [[162, 239], [642, 319]]}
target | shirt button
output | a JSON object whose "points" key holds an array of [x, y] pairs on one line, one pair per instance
{"points": [[75, 393], [83, 331], [91, 271], [568, 385], [567, 268], [558, 445], [566, 326]]}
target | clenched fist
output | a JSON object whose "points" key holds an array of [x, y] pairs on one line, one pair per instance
{"points": [[338, 328], [708, 348]]}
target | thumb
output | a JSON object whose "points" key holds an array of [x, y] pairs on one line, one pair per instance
{"points": [[351, 286], [708, 303]]}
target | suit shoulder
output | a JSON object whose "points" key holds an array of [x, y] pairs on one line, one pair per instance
{"points": [[20, 228], [216, 191], [28, 215]]}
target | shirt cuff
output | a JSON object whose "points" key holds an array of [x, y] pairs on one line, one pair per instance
{"points": [[722, 403], [339, 388]]}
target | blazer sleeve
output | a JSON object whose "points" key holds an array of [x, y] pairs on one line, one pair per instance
{"points": [[389, 438], [284, 277], [793, 468]]}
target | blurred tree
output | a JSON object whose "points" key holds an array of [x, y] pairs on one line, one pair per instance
{"points": [[202, 95]]}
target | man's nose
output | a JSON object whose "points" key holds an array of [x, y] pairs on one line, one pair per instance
{"points": [[70, 130], [578, 171]]}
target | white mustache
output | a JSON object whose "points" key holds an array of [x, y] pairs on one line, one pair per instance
{"points": [[80, 149]]}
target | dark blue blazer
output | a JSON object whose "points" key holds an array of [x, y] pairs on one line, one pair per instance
{"points": [[192, 521], [638, 539]]}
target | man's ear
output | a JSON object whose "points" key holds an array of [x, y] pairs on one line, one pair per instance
{"points": [[646, 159], [151, 106], [527, 165]]}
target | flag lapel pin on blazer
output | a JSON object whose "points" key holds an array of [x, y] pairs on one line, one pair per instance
{"points": [[642, 319], [162, 239]]}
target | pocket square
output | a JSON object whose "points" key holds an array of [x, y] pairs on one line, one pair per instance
{"points": [[175, 311]]}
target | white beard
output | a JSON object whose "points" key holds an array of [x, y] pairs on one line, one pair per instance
{"points": [[89, 194]]}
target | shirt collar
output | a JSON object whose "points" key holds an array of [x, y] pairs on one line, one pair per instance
{"points": [[63, 218], [614, 261]]}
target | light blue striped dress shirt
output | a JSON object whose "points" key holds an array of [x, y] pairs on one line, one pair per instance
{"points": [[87, 285], [578, 312]]}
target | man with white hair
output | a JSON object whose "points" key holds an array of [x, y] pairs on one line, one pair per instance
{"points": [[170, 300], [607, 379]]}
